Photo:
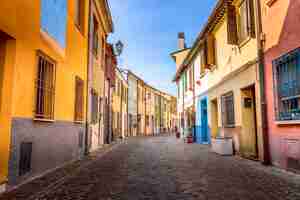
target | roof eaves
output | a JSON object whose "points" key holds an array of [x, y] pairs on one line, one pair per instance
{"points": [[205, 29]]}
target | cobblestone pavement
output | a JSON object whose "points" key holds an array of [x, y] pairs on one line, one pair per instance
{"points": [[166, 168]]}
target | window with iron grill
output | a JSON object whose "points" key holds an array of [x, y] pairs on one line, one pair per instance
{"points": [[228, 110], [287, 86], [45, 88], [25, 158]]}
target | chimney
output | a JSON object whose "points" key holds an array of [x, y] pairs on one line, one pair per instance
{"points": [[181, 41]]}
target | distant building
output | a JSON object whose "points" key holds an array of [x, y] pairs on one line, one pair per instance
{"points": [[149, 109], [218, 80], [51, 79], [119, 107], [99, 50]]}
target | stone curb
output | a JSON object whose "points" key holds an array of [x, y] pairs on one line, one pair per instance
{"points": [[86, 161]]}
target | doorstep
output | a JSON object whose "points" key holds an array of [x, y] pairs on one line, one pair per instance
{"points": [[2, 187]]}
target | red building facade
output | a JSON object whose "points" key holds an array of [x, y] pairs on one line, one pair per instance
{"points": [[282, 76]]}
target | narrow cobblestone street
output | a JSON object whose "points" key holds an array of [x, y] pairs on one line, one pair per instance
{"points": [[166, 168]]}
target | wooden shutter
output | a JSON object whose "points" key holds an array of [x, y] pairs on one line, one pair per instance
{"points": [[203, 60], [80, 12], [210, 45], [79, 89], [250, 18], [232, 34]]}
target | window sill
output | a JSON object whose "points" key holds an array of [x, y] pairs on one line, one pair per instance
{"points": [[43, 120], [229, 126], [204, 73], [78, 122], [288, 122], [244, 42], [52, 43], [270, 3], [78, 27]]}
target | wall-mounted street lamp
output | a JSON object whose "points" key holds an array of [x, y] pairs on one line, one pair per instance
{"points": [[119, 46]]}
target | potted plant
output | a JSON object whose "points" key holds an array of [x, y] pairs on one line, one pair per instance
{"points": [[190, 137]]}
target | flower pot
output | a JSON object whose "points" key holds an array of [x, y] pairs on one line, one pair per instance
{"points": [[190, 139]]}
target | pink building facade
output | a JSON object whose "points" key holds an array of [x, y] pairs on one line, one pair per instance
{"points": [[281, 35]]}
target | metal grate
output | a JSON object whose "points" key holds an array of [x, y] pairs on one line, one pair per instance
{"points": [[25, 158], [45, 87], [287, 84], [228, 110]]}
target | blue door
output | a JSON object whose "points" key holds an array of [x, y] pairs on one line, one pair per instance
{"points": [[204, 122], [198, 123]]}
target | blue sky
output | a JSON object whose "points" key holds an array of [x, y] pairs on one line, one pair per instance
{"points": [[149, 29]]}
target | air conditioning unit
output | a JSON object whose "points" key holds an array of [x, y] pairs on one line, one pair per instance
{"points": [[222, 146]]}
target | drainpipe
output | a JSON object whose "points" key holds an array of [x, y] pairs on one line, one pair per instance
{"points": [[184, 122], [86, 141], [145, 129], [121, 111], [264, 115], [194, 102], [137, 106]]}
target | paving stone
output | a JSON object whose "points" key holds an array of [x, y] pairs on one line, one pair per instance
{"points": [[163, 168]]}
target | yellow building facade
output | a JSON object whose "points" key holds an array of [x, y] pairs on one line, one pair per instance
{"points": [[228, 77], [235, 80], [101, 26], [44, 65]]}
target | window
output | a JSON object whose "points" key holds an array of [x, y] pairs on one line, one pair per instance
{"points": [[94, 107], [147, 120], [228, 110], [103, 47], [242, 18], [95, 37], [191, 78], [210, 51], [185, 81], [120, 88], [245, 15], [240, 22], [53, 15], [202, 62], [79, 13], [287, 86], [25, 158], [45, 88], [79, 99]]}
